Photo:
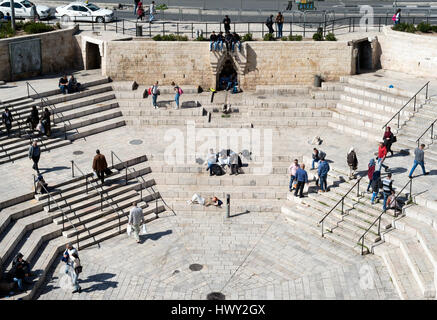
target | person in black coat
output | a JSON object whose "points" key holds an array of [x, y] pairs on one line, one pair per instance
{"points": [[269, 24], [46, 121], [227, 24], [7, 120], [34, 117]]}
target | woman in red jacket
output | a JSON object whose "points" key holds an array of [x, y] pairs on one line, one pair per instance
{"points": [[140, 11]]}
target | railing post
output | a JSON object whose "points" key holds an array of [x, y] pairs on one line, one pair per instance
{"points": [[63, 220], [72, 168], [101, 202], [112, 159], [411, 189], [28, 95], [86, 184], [323, 231], [358, 190], [426, 94], [415, 103], [362, 246], [126, 175], [379, 224], [399, 119], [65, 131], [192, 31], [432, 132], [77, 239], [163, 29], [123, 25], [116, 26], [342, 206]]}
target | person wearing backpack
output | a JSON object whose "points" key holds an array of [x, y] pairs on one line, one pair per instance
{"points": [[73, 266], [178, 92], [397, 17]]}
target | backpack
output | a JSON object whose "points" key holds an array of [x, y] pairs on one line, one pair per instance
{"points": [[180, 91], [217, 170], [149, 91], [394, 17]]}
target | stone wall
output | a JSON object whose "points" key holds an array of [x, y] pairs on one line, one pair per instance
{"points": [[409, 53], [58, 53], [262, 63]]}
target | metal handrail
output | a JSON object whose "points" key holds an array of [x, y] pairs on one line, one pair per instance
{"points": [[46, 102], [405, 105], [144, 181], [102, 197], [378, 219], [432, 133], [342, 203], [60, 209]]}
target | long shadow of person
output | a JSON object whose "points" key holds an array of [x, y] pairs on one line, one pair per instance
{"points": [[155, 236], [100, 282]]}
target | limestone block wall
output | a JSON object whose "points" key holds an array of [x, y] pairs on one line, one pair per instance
{"points": [[149, 61], [268, 63], [409, 53], [58, 53]]}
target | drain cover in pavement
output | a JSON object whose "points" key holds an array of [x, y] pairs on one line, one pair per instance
{"points": [[215, 296], [262, 97], [78, 152], [196, 267], [136, 141]]}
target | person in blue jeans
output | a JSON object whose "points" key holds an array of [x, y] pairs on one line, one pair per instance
{"points": [[213, 42], [152, 12], [302, 178], [177, 91], [322, 171], [376, 183], [155, 92], [219, 42], [63, 83], [387, 188], [419, 160]]}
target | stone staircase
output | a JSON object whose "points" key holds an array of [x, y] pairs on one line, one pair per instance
{"points": [[74, 116], [344, 229], [75, 213]]}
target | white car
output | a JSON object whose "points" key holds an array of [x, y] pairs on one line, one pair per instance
{"points": [[81, 11], [23, 9]]}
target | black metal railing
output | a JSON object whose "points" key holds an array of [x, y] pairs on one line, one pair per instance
{"points": [[431, 127], [144, 183], [413, 98], [49, 200], [356, 184], [113, 205], [379, 218]]}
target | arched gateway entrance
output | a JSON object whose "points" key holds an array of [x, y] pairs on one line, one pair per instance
{"points": [[227, 75]]}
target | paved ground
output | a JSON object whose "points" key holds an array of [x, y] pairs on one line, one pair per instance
{"points": [[250, 256]]}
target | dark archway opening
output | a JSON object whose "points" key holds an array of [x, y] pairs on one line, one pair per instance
{"points": [[364, 58], [227, 77], [94, 60]]}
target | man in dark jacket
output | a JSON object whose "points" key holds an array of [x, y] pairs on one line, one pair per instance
{"points": [[322, 171], [20, 270], [236, 40], [100, 165], [63, 83], [46, 122], [34, 154], [352, 162], [228, 40], [213, 41], [7, 120], [269, 24], [302, 178], [227, 24], [220, 39]]}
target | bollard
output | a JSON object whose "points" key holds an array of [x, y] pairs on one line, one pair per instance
{"points": [[228, 205]]}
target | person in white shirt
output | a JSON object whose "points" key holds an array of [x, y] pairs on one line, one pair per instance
{"points": [[152, 12], [136, 218], [233, 163], [71, 258], [211, 160], [292, 172]]}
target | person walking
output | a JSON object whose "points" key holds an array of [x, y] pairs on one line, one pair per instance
{"points": [[34, 155], [155, 93], [233, 163], [370, 170], [382, 153], [178, 91], [100, 165], [317, 155], [388, 139], [397, 17], [419, 159], [269, 24], [73, 266], [136, 218], [152, 12], [279, 22], [376, 185], [7, 120], [322, 171], [302, 178], [387, 188], [136, 6], [352, 162], [292, 172], [227, 24], [46, 122], [140, 11]]}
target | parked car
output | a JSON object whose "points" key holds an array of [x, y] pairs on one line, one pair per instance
{"points": [[80, 11], [23, 9]]}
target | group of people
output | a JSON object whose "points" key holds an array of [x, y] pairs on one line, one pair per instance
{"points": [[140, 12], [154, 92], [217, 162], [382, 187], [229, 39], [229, 83], [279, 20], [69, 85]]}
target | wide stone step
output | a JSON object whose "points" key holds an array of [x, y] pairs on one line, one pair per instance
{"points": [[99, 125], [401, 275], [289, 113], [85, 111], [342, 125], [162, 112], [374, 95], [254, 205]]}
